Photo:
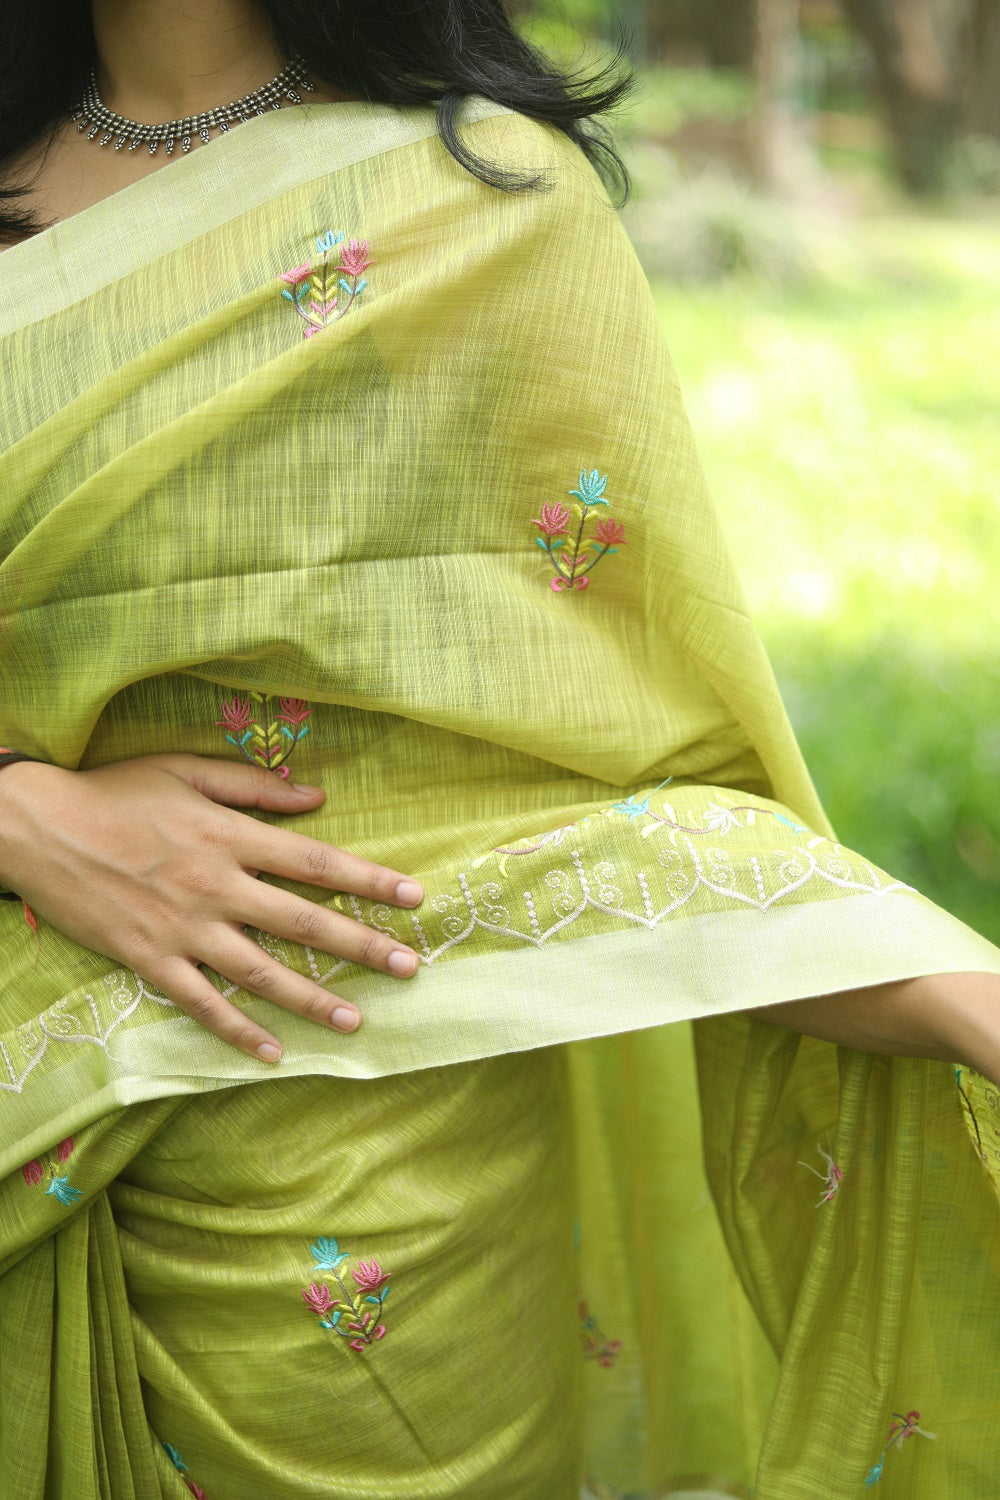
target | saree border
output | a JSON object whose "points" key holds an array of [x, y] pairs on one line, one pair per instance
{"points": [[510, 1000], [268, 155]]}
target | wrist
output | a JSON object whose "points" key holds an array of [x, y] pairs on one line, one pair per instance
{"points": [[22, 782]]}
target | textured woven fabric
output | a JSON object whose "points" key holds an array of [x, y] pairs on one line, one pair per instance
{"points": [[323, 454]]}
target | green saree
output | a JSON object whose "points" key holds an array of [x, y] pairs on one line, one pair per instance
{"points": [[319, 453]]}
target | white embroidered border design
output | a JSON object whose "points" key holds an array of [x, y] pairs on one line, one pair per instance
{"points": [[762, 880], [89, 1022]]}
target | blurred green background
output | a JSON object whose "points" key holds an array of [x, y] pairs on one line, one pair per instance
{"points": [[816, 201]]}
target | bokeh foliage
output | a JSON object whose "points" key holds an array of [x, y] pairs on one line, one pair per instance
{"points": [[853, 446]]}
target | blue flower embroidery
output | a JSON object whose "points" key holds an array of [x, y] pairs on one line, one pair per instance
{"points": [[175, 1458], [592, 487], [63, 1189], [327, 242], [875, 1473], [327, 1254], [632, 808], [639, 809]]}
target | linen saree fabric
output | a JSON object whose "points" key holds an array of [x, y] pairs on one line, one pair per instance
{"points": [[322, 454]]}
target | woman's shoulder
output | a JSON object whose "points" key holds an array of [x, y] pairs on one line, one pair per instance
{"points": [[538, 143]]}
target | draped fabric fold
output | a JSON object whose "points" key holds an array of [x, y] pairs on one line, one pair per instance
{"points": [[323, 455]]}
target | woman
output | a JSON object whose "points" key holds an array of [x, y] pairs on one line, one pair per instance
{"points": [[342, 451]]}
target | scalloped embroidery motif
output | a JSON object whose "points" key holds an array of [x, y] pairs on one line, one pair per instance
{"points": [[557, 891]]}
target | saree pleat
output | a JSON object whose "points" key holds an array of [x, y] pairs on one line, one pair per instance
{"points": [[325, 457], [480, 1263], [72, 1417], [883, 1295]]}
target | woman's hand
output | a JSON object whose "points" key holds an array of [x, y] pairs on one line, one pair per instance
{"points": [[146, 862], [953, 1018]]}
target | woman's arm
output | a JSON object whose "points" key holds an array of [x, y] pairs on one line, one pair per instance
{"points": [[949, 1017], [148, 862]]}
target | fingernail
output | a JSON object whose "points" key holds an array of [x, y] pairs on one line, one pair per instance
{"points": [[346, 1019], [401, 962], [269, 1052], [304, 788], [409, 893]]}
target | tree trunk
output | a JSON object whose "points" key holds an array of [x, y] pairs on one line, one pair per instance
{"points": [[981, 97], [921, 49], [784, 161]]}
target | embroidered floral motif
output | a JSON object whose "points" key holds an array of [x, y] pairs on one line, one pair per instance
{"points": [[720, 820], [596, 1345], [266, 741], [901, 1429], [831, 1178], [355, 1315], [34, 1172], [569, 557], [182, 1469], [315, 291]]}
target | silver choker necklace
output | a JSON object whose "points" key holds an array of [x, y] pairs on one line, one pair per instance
{"points": [[103, 125]]}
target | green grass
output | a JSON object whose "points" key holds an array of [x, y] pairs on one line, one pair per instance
{"points": [[851, 433]]}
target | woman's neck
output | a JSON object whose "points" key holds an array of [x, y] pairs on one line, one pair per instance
{"points": [[163, 59]]}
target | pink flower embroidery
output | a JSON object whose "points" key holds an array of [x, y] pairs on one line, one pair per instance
{"points": [[65, 1148], [294, 711], [33, 1171], [370, 1275], [831, 1178], [297, 274], [237, 715], [610, 533], [553, 519], [352, 258], [196, 1490], [319, 1298], [596, 1346]]}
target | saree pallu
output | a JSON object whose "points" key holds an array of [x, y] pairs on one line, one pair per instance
{"points": [[321, 454]]}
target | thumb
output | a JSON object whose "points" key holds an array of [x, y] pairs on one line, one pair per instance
{"points": [[235, 785]]}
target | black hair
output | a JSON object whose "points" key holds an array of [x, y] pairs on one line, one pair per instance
{"points": [[403, 52]]}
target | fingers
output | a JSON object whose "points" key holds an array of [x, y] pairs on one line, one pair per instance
{"points": [[243, 963], [235, 785], [294, 856], [279, 851], [288, 916], [192, 993]]}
